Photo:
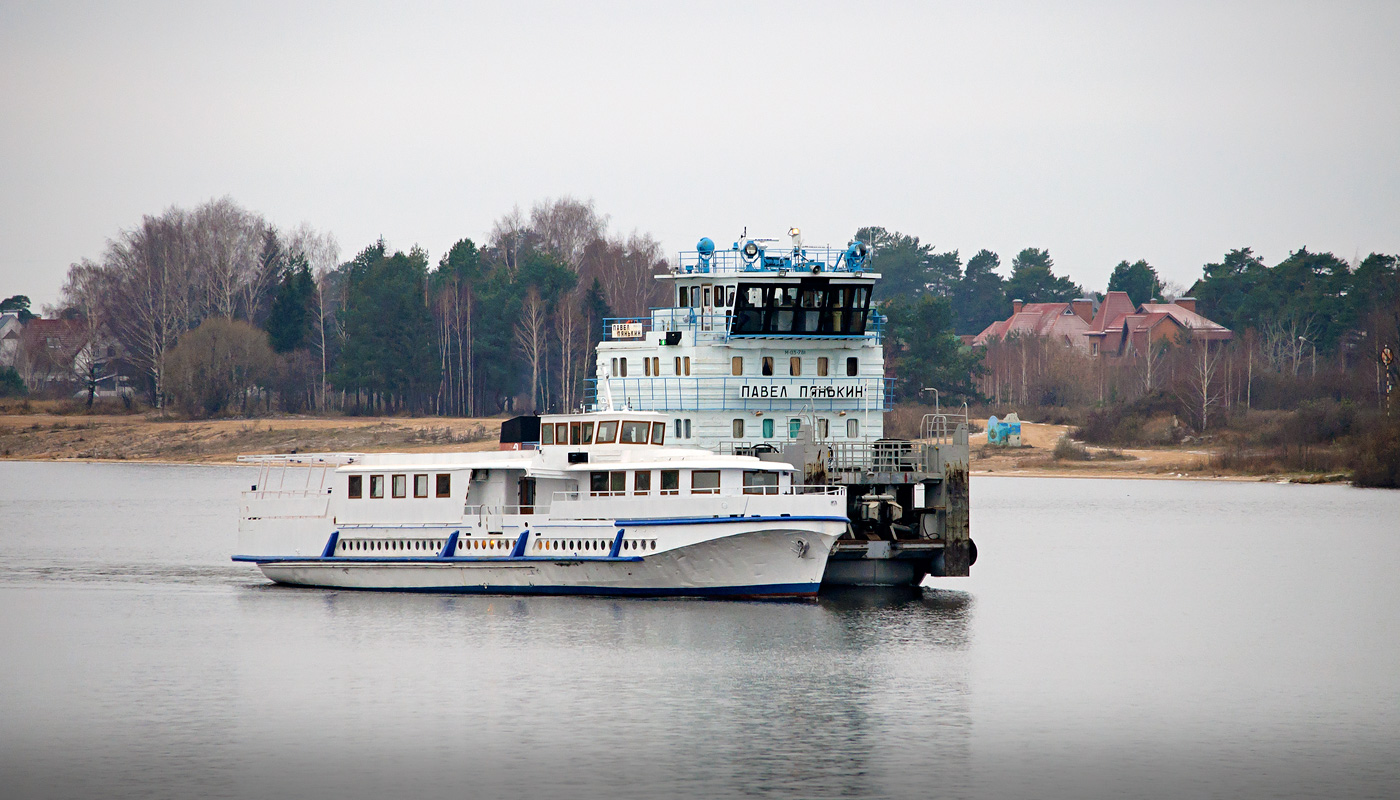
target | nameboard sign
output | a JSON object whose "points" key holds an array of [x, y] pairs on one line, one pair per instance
{"points": [[782, 391], [627, 330]]}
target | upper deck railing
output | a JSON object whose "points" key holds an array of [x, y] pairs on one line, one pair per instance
{"points": [[716, 325], [746, 393], [771, 256]]}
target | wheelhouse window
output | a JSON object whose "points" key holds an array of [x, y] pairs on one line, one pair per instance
{"points": [[400, 485], [561, 433], [607, 431], [587, 433], [356, 487], [683, 297], [420, 485], [795, 366], [634, 432], [823, 365], [575, 437], [444, 484], [376, 487], [704, 481], [641, 482], [852, 366], [736, 365], [738, 429], [546, 434], [658, 432], [767, 365], [760, 482], [670, 481]]}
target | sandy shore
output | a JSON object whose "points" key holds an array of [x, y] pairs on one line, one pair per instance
{"points": [[146, 438]]}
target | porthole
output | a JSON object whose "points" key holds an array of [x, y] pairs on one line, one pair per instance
{"points": [[653, 544]]}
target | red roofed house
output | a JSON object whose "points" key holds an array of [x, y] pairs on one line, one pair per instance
{"points": [[1115, 329]]}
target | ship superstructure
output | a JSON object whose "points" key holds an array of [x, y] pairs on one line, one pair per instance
{"points": [[774, 349]]}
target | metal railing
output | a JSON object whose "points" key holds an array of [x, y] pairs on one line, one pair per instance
{"points": [[940, 428], [747, 491], [883, 455], [772, 257], [504, 510]]}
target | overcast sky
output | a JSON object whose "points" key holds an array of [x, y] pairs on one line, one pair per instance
{"points": [[1167, 131]]}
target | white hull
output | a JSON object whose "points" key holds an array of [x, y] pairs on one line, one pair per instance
{"points": [[750, 559]]}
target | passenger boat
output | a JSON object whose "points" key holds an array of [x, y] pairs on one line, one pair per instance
{"points": [[588, 503]]}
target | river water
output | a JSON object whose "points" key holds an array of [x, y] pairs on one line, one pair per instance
{"points": [[1118, 639]]}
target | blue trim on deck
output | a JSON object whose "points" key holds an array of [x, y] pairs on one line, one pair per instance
{"points": [[617, 543], [425, 559], [758, 590]]}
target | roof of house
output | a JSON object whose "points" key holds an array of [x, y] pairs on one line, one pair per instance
{"points": [[1037, 319], [1116, 314]]}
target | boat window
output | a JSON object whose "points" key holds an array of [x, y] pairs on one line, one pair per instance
{"points": [[607, 431], [670, 481], [546, 434], [760, 482], [852, 365], [852, 429], [737, 365], [658, 432], [704, 481], [614, 369], [822, 363], [634, 432], [767, 365], [617, 482], [400, 485], [646, 367], [738, 429], [794, 427], [683, 299], [678, 365], [768, 429], [687, 429], [561, 433], [597, 483], [420, 485], [731, 296], [656, 366], [376, 486], [356, 487], [574, 435], [687, 365], [678, 429], [588, 433], [622, 362], [641, 481], [822, 428], [444, 484], [795, 366]]}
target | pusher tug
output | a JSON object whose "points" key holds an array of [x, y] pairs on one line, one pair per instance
{"points": [[599, 506]]}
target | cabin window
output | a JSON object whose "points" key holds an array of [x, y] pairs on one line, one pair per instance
{"points": [[607, 431], [731, 296], [738, 429], [683, 298], [646, 367], [444, 484], [795, 366], [686, 360], [768, 429], [658, 432], [574, 435], [634, 433], [852, 429], [822, 366], [794, 427], [588, 433], [706, 301], [622, 362], [614, 368], [823, 428], [656, 366], [617, 482], [597, 483], [670, 481], [678, 429], [736, 365], [767, 365], [704, 481], [546, 434], [376, 487], [852, 366], [760, 482], [561, 433], [400, 485], [641, 482], [678, 365], [420, 485], [687, 429], [356, 488]]}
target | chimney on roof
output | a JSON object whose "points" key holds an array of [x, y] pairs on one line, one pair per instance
{"points": [[1084, 307], [1188, 303], [1016, 306]]}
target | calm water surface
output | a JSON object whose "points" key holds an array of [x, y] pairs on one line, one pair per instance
{"points": [[1118, 639]]}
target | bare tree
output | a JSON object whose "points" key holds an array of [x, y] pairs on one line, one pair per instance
{"points": [[566, 227], [225, 240], [531, 330], [322, 254], [1201, 392], [508, 236]]}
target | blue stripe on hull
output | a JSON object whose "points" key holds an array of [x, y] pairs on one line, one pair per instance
{"points": [[773, 590], [377, 561]]}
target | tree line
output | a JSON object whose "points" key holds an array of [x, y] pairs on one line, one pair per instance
{"points": [[216, 310]]}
